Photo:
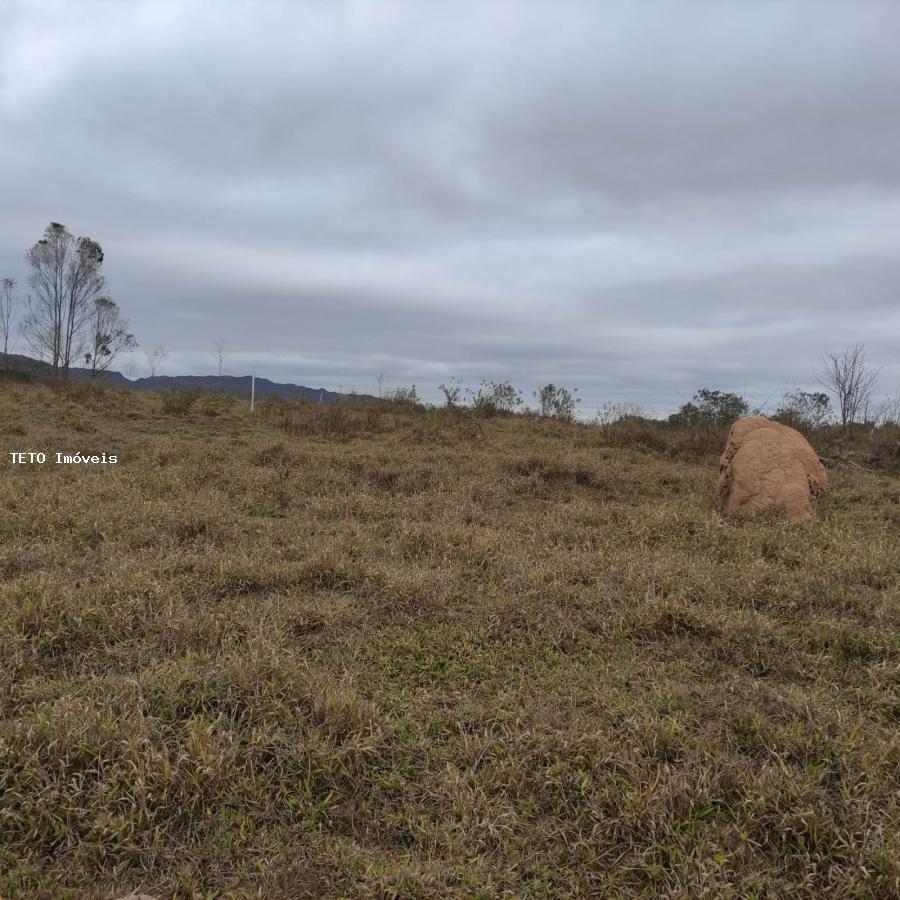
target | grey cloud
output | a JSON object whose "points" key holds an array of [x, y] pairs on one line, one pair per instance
{"points": [[635, 198]]}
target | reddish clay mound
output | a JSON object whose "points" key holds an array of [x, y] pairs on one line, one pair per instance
{"points": [[769, 467]]}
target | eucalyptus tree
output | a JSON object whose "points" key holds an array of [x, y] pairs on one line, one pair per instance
{"points": [[66, 279], [108, 336], [7, 313]]}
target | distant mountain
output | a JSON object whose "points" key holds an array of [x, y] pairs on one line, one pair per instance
{"points": [[222, 384]]}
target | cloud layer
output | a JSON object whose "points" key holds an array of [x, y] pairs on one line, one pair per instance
{"points": [[635, 199]]}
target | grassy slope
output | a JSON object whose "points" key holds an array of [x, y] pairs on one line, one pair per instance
{"points": [[418, 660]]}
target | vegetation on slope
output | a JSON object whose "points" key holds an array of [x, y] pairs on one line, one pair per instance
{"points": [[395, 651]]}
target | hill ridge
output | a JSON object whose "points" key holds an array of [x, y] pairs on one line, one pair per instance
{"points": [[224, 384]]}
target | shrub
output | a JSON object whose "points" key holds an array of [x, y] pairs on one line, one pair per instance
{"points": [[340, 421], [803, 409], [90, 394], [495, 398], [711, 408], [15, 375], [404, 395], [883, 448], [178, 403], [557, 402], [614, 411], [683, 442], [452, 392]]}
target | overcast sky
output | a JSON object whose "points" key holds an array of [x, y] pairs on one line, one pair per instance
{"points": [[634, 198]]}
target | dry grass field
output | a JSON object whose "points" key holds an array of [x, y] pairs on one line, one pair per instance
{"points": [[334, 651]]}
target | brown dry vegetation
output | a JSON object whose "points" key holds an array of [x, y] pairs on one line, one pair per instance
{"points": [[396, 652]]}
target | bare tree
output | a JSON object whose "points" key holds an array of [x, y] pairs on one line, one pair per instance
{"points": [[220, 352], [65, 279], [108, 337], [7, 314], [155, 358], [889, 411], [851, 380]]}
